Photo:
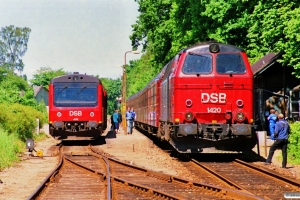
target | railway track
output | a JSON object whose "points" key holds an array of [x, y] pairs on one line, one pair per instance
{"points": [[85, 173], [73, 180], [244, 177], [163, 185]]}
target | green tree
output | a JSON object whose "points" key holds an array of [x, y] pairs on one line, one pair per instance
{"points": [[152, 28], [13, 46], [14, 89], [44, 75], [274, 28], [113, 89], [165, 27], [139, 73]]}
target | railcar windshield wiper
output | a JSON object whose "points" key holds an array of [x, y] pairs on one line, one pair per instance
{"points": [[196, 54], [66, 86], [81, 89]]}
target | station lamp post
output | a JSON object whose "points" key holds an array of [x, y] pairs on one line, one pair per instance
{"points": [[119, 100], [124, 91]]}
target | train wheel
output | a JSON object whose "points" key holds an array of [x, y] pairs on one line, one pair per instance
{"points": [[167, 132], [185, 156], [159, 132]]}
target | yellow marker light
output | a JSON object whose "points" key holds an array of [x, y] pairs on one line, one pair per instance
{"points": [[177, 120], [251, 120], [39, 153], [214, 121]]}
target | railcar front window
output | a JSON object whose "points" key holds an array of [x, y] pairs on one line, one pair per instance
{"points": [[230, 64], [197, 64], [75, 94]]}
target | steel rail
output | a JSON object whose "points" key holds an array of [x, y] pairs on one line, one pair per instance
{"points": [[240, 194], [270, 174]]}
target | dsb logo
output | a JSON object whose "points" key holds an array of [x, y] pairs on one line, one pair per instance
{"points": [[213, 97], [75, 113]]}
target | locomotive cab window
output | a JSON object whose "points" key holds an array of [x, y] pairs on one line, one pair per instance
{"points": [[197, 64], [75, 94], [230, 64]]}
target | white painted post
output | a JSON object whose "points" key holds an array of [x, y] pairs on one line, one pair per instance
{"points": [[38, 126]]}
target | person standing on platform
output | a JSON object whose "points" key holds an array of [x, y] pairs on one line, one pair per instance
{"points": [[116, 121], [133, 116], [120, 120], [281, 133], [129, 119], [272, 118]]}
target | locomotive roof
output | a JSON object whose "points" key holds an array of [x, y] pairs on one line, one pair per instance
{"points": [[70, 78], [204, 47]]}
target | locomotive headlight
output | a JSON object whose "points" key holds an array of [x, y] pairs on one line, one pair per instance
{"points": [[240, 116], [189, 116], [214, 48], [92, 114], [188, 103], [75, 78], [58, 114], [239, 103]]}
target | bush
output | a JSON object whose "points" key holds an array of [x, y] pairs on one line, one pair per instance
{"points": [[294, 146], [20, 119], [10, 147]]}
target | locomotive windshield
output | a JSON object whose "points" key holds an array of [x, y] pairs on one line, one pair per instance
{"points": [[230, 64], [197, 64], [75, 94]]}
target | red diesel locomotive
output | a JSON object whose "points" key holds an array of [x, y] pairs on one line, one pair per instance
{"points": [[77, 107], [202, 101]]}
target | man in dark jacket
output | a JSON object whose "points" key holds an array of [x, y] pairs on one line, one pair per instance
{"points": [[120, 120], [281, 133]]}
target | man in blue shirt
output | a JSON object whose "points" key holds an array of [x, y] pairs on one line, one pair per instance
{"points": [[281, 133], [133, 116], [129, 119]]}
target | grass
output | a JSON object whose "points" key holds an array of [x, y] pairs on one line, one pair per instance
{"points": [[40, 137], [10, 147]]}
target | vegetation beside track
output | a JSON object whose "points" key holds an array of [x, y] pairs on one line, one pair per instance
{"points": [[18, 123], [294, 144], [19, 112]]}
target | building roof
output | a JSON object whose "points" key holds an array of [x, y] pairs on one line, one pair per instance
{"points": [[265, 62], [37, 89]]}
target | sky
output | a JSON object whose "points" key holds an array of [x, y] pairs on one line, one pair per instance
{"points": [[85, 36]]}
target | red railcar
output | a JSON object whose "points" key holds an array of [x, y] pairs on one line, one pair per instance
{"points": [[77, 107], [203, 100]]}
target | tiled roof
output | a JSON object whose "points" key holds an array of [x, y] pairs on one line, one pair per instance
{"points": [[265, 62], [36, 89]]}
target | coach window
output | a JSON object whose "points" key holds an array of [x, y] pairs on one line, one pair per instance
{"points": [[197, 64], [230, 64]]}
